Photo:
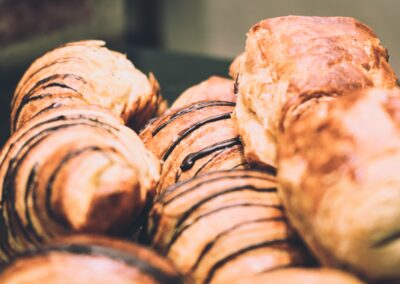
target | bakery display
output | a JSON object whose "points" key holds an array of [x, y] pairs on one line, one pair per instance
{"points": [[89, 259], [340, 182], [194, 139], [285, 173], [86, 73], [294, 63], [301, 276], [214, 88], [74, 169], [224, 225]]}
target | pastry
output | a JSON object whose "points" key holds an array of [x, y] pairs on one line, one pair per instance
{"points": [[294, 63], [74, 169], [84, 259], [301, 276], [224, 225], [234, 68], [338, 171], [194, 139], [213, 89], [86, 73]]}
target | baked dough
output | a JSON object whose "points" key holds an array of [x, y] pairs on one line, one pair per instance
{"points": [[225, 225], [195, 139], [86, 73], [301, 276], [73, 169], [214, 88], [292, 64], [90, 259], [339, 178]]}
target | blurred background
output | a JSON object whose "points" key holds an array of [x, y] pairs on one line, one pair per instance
{"points": [[181, 41]]}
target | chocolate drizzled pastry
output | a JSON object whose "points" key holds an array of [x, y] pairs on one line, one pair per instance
{"points": [[224, 225], [294, 63], [214, 88], [86, 73], [90, 259], [71, 170], [195, 139]]}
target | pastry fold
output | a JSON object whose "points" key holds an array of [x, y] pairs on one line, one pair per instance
{"points": [[224, 225], [86, 73], [214, 88], [90, 259], [72, 170], [195, 139]]}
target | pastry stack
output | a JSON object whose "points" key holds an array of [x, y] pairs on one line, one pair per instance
{"points": [[285, 173]]}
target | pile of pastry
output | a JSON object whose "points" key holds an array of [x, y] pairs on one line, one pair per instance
{"points": [[286, 173]]}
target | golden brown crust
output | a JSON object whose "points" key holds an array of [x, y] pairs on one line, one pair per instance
{"points": [[85, 73], [195, 139], [301, 276], [338, 171], [294, 62], [72, 170], [89, 259], [224, 225], [214, 88]]}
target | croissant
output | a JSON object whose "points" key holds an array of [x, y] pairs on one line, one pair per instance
{"points": [[84, 259], [214, 88], [74, 169], [224, 225], [294, 63], [301, 276], [339, 177], [195, 139], [86, 73]]}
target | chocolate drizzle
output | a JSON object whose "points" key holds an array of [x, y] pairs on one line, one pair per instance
{"points": [[183, 134], [224, 261], [208, 247], [241, 175], [189, 109], [189, 160], [181, 229]]}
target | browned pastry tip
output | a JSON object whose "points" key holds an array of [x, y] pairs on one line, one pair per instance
{"points": [[72, 170], [194, 139], [234, 68], [212, 89], [294, 63], [338, 171], [301, 276], [90, 259], [224, 225], [85, 73]]}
